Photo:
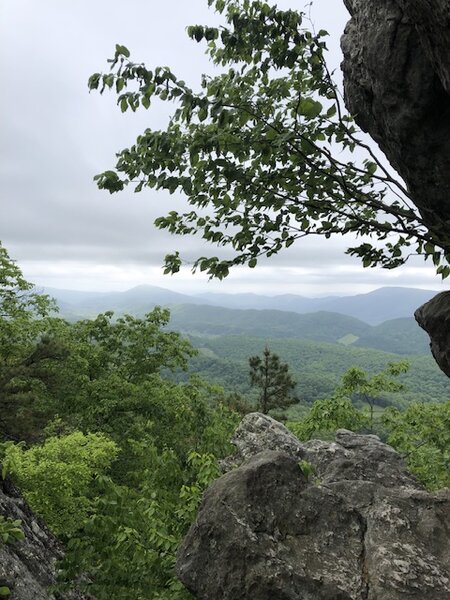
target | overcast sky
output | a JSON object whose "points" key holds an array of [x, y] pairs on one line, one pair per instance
{"points": [[55, 137]]}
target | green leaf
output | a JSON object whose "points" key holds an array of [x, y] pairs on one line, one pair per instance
{"points": [[331, 111], [122, 50], [310, 108], [371, 167], [120, 83], [123, 104], [93, 81], [202, 114]]}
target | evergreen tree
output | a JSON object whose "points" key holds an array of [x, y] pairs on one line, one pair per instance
{"points": [[274, 380]]}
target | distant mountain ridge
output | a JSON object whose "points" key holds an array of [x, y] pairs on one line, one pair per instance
{"points": [[374, 308], [397, 335]]}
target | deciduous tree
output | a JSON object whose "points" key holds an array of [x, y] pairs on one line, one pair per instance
{"points": [[263, 150], [369, 388]]}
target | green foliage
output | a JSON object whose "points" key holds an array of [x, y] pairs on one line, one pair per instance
{"points": [[422, 434], [328, 415], [25, 351], [110, 410], [57, 478], [317, 367], [306, 468], [357, 381], [131, 347], [263, 152], [128, 544], [10, 530], [273, 379]]}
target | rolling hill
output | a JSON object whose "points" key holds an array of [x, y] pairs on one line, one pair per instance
{"points": [[401, 336], [316, 366]]}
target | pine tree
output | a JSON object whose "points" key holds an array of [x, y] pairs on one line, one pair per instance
{"points": [[274, 380]]}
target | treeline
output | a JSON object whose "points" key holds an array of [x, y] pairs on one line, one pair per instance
{"points": [[317, 367]]}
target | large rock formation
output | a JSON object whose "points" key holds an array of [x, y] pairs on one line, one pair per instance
{"points": [[397, 84], [357, 528], [27, 567], [434, 317]]}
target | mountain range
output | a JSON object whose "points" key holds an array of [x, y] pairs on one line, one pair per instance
{"points": [[380, 319], [319, 337], [375, 307]]}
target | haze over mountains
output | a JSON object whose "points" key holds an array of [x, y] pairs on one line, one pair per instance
{"points": [[380, 320], [320, 338], [373, 308]]}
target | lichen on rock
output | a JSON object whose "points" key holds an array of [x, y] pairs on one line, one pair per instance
{"points": [[361, 529]]}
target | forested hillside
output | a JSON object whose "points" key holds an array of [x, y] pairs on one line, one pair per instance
{"points": [[400, 336], [317, 367]]}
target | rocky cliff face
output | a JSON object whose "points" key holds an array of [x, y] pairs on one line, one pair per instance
{"points": [[434, 317], [397, 83], [356, 526], [27, 567]]}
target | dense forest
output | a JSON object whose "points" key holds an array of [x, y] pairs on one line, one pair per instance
{"points": [[317, 366], [113, 446]]}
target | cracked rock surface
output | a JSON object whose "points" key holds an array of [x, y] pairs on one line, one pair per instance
{"points": [[359, 528], [28, 567]]}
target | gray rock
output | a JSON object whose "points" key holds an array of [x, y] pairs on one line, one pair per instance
{"points": [[396, 80], [28, 567], [358, 528], [434, 317], [258, 432]]}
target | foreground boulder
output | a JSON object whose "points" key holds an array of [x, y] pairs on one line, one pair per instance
{"points": [[318, 520], [27, 567]]}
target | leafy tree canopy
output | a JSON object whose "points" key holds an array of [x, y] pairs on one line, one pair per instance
{"points": [[57, 478], [26, 349], [263, 151], [422, 434], [357, 381]]}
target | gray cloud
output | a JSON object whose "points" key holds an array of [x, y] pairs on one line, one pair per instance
{"points": [[56, 136]]}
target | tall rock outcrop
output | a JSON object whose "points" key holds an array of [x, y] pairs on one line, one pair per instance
{"points": [[28, 567], [397, 84], [434, 317], [350, 523]]}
